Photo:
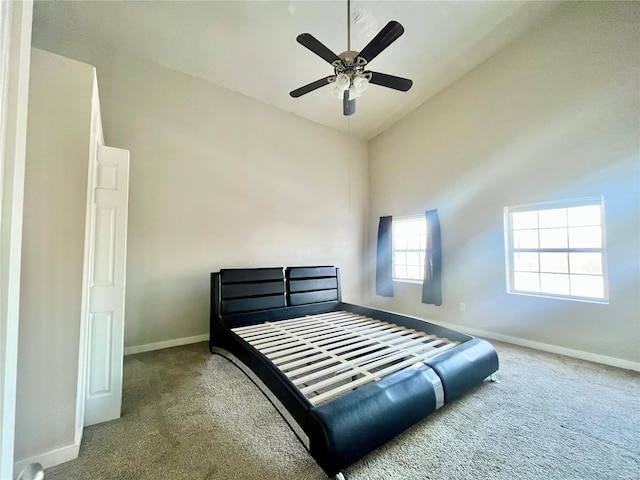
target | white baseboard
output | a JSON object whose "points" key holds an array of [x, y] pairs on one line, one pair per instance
{"points": [[176, 342], [569, 352], [49, 459]]}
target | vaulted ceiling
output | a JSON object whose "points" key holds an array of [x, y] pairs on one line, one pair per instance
{"points": [[250, 46]]}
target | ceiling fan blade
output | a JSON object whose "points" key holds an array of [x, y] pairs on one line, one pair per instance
{"points": [[389, 34], [348, 106], [311, 86], [390, 81], [313, 44]]}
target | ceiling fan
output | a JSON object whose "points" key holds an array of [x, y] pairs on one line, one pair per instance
{"points": [[351, 76]]}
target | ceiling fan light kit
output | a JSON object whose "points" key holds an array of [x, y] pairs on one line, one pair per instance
{"points": [[350, 77]]}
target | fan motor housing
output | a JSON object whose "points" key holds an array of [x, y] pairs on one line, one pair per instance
{"points": [[350, 63]]}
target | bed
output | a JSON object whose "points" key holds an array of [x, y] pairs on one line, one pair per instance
{"points": [[346, 378]]}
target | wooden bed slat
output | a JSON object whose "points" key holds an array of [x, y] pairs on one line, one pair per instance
{"points": [[317, 336], [269, 330], [330, 323], [328, 354], [308, 332], [352, 350], [390, 337], [348, 342], [346, 338], [359, 360], [360, 369], [362, 381], [268, 326]]}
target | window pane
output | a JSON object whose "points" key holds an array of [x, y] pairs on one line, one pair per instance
{"points": [[553, 262], [588, 215], [589, 263], [414, 273], [559, 250], [554, 283], [400, 228], [525, 262], [552, 218], [525, 239], [585, 237], [526, 282], [400, 242], [409, 241], [413, 243], [521, 220], [553, 238], [399, 264], [587, 286], [413, 258]]}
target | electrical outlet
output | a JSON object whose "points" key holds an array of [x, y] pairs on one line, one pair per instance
{"points": [[463, 306]]}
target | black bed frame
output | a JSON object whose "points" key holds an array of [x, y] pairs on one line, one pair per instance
{"points": [[347, 428]]}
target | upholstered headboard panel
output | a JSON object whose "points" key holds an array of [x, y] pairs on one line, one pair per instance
{"points": [[251, 289], [307, 285], [245, 290], [239, 291]]}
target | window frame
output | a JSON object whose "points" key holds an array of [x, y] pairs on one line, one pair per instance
{"points": [[421, 251], [510, 250]]}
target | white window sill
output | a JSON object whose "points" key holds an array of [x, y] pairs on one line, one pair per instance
{"points": [[406, 280], [602, 301]]}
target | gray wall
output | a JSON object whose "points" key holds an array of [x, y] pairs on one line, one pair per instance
{"points": [[552, 116], [55, 200], [219, 180]]}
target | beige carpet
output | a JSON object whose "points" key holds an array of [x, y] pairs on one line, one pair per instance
{"points": [[190, 415]]}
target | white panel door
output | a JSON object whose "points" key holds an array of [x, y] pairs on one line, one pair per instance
{"points": [[103, 386]]}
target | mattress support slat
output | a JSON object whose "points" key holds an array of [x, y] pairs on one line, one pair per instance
{"points": [[348, 345], [362, 381], [269, 331], [358, 369], [291, 321], [268, 342], [316, 348], [328, 354], [346, 338], [362, 360], [335, 332]]}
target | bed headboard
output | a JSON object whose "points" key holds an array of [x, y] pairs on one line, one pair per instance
{"points": [[307, 285], [251, 290]]}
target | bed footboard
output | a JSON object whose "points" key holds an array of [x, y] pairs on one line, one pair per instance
{"points": [[348, 428], [465, 367]]}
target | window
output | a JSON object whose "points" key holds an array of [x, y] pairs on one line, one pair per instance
{"points": [[409, 245], [557, 249]]}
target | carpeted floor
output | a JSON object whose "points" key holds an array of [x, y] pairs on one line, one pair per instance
{"points": [[190, 415]]}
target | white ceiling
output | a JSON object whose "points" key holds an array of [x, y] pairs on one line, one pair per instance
{"points": [[250, 46]]}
